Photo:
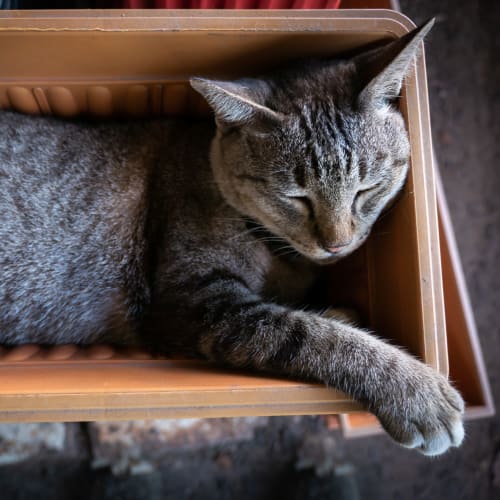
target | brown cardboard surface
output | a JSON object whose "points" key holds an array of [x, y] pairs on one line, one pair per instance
{"points": [[136, 63]]}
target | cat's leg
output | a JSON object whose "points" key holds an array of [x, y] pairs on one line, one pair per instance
{"points": [[416, 405]]}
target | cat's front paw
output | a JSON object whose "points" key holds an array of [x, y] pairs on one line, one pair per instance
{"points": [[429, 416]]}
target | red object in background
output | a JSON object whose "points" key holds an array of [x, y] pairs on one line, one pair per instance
{"points": [[229, 4]]}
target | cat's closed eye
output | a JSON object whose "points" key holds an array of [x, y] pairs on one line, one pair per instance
{"points": [[303, 204], [363, 195], [368, 190]]}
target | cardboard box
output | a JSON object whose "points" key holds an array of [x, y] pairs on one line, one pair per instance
{"points": [[136, 63]]}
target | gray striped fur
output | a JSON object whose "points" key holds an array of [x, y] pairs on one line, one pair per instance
{"points": [[204, 240]]}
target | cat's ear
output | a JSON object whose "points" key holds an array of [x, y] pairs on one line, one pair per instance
{"points": [[383, 69], [236, 103]]}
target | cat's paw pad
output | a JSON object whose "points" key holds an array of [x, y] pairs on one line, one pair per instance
{"points": [[431, 421], [431, 439]]}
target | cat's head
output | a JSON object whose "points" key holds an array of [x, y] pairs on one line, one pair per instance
{"points": [[315, 151]]}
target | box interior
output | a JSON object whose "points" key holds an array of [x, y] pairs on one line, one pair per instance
{"points": [[142, 69]]}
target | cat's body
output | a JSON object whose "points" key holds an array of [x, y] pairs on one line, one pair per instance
{"points": [[73, 229], [99, 244], [203, 240]]}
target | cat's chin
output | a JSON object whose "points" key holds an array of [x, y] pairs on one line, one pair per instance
{"points": [[321, 257], [333, 258], [325, 261]]}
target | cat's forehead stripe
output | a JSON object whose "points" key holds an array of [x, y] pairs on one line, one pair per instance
{"points": [[326, 139], [312, 155]]}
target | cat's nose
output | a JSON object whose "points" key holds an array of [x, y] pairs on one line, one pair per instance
{"points": [[338, 247]]}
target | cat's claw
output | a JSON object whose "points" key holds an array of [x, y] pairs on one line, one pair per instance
{"points": [[432, 420]]}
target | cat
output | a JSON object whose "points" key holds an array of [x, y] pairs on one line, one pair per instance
{"points": [[194, 238]]}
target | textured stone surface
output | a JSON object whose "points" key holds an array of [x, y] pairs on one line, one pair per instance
{"points": [[21, 442], [137, 446]]}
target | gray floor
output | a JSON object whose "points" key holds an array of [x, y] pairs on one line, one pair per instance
{"points": [[464, 83]]}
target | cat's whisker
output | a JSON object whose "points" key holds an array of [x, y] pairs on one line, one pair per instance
{"points": [[241, 218], [244, 233], [256, 241], [270, 238], [285, 250]]}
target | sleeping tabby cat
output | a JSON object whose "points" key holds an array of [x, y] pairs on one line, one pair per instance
{"points": [[194, 238]]}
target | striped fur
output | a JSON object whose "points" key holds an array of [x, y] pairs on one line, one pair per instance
{"points": [[205, 241]]}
